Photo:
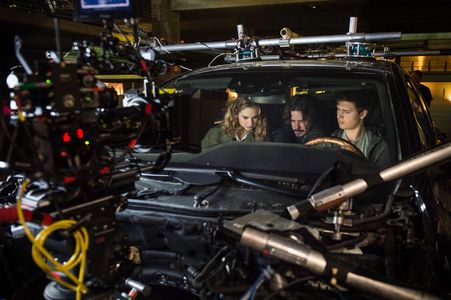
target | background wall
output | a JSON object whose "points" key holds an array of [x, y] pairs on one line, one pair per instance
{"points": [[441, 105]]}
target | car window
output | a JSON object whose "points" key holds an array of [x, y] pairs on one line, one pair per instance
{"points": [[209, 93], [204, 97], [421, 115]]}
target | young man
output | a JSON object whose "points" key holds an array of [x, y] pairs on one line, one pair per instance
{"points": [[417, 75], [300, 117], [352, 110]]}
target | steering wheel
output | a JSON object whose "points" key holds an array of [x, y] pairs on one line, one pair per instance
{"points": [[343, 144]]}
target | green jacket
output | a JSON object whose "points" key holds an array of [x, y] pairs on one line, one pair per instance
{"points": [[216, 136], [377, 152]]}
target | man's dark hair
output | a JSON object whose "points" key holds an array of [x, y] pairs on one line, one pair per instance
{"points": [[306, 104], [362, 99]]}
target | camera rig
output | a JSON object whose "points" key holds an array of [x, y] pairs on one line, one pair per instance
{"points": [[62, 129]]}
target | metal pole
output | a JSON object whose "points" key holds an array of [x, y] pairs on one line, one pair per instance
{"points": [[418, 162], [230, 44], [292, 251], [56, 24], [353, 24], [240, 30], [20, 58], [334, 196], [384, 54], [197, 46], [341, 38]]}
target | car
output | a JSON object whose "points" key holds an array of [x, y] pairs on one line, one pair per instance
{"points": [[263, 219], [181, 221]]}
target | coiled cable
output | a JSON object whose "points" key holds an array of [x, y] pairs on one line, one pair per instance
{"points": [[47, 262]]}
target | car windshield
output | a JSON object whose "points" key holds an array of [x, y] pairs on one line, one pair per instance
{"points": [[204, 96]]}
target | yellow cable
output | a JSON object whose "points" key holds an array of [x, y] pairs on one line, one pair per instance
{"points": [[46, 261]]}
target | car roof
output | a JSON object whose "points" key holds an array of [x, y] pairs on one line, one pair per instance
{"points": [[367, 65]]}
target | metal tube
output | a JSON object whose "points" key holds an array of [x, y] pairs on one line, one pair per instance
{"points": [[371, 37], [143, 289], [293, 41], [240, 30], [334, 196], [286, 33], [358, 186], [417, 162], [341, 38], [384, 54], [286, 249], [272, 42], [20, 58], [197, 46], [353, 24], [56, 24], [385, 290], [325, 199]]}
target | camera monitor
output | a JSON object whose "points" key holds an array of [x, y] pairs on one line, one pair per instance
{"points": [[104, 9]]}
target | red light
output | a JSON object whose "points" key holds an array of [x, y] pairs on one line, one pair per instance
{"points": [[148, 109], [104, 170], [132, 143], [69, 179], [66, 137], [55, 275], [80, 133], [64, 154], [144, 66]]}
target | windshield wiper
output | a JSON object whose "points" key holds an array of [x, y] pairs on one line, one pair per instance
{"points": [[213, 176], [237, 177]]}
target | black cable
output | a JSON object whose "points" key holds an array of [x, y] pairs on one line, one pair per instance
{"points": [[213, 49], [289, 285], [209, 266], [320, 180]]}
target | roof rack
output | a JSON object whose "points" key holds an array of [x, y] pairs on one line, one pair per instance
{"points": [[246, 48], [384, 54]]}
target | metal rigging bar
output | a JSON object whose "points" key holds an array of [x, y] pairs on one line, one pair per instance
{"points": [[231, 44]]}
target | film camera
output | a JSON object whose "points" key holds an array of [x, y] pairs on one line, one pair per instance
{"points": [[65, 138]]}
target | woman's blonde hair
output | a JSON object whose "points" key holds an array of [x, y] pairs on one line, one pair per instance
{"points": [[231, 125]]}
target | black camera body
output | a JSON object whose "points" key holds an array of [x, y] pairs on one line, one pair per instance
{"points": [[67, 134], [65, 120]]}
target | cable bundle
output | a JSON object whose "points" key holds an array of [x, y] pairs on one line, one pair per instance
{"points": [[47, 262]]}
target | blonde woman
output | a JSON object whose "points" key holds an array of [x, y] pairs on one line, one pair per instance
{"points": [[243, 122]]}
